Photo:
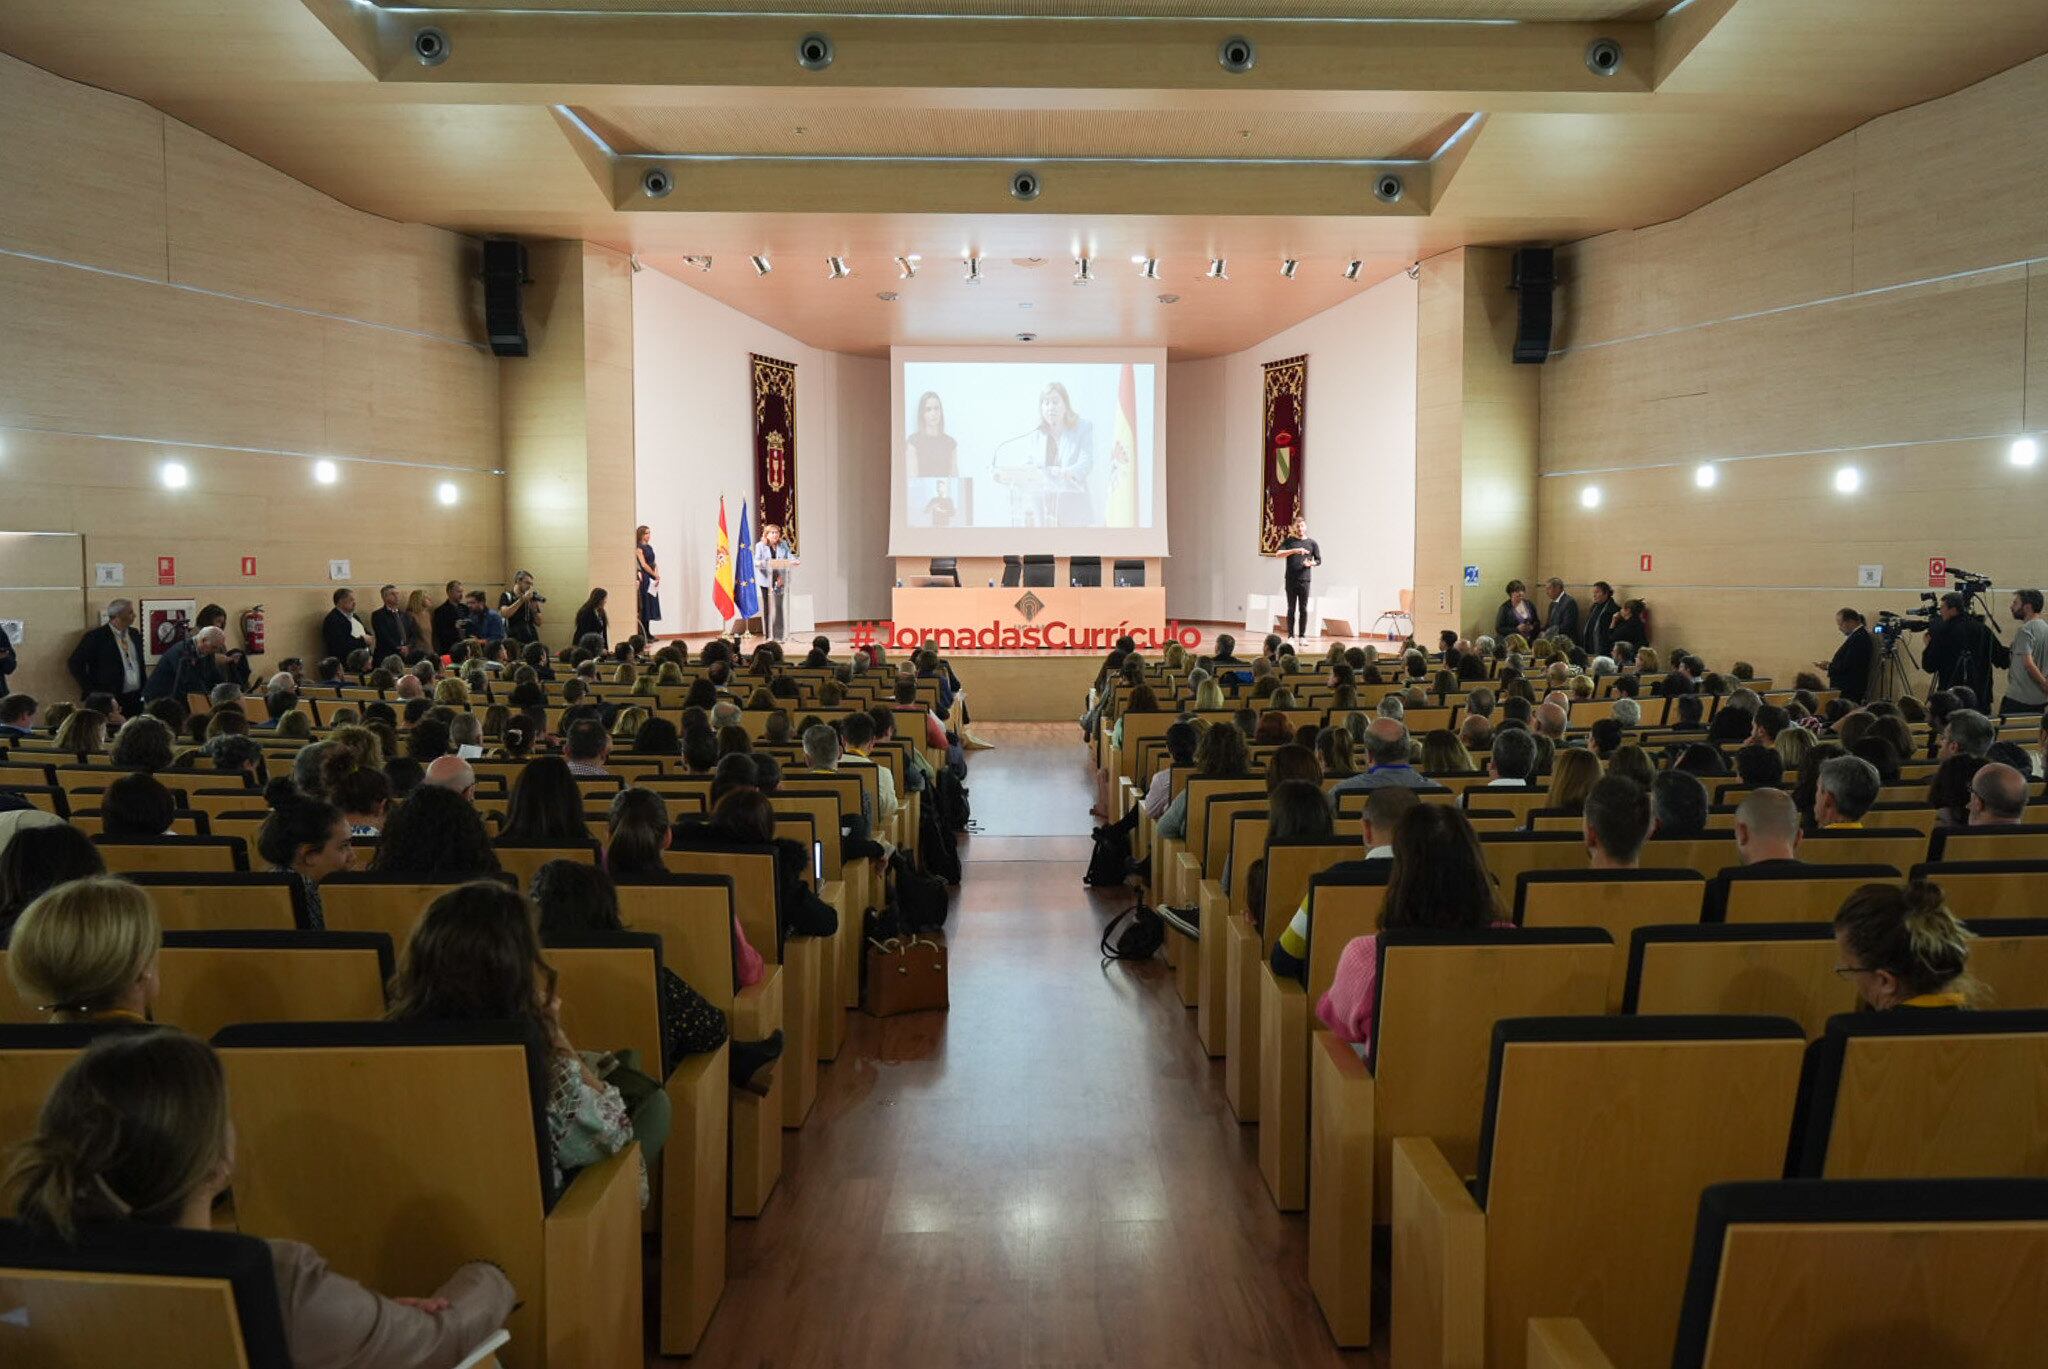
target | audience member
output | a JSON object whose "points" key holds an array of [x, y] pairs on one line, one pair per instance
{"points": [[1387, 760], [1384, 809], [1572, 776], [1998, 796], [1903, 948], [454, 774], [1678, 802], [1759, 766], [37, 858], [136, 808], [545, 806], [437, 836], [1846, 789], [587, 747], [1617, 822], [85, 951], [1512, 762]]}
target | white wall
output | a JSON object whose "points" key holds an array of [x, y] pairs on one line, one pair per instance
{"points": [[1360, 452], [693, 431]]}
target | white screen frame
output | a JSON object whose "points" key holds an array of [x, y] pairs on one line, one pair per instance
{"points": [[905, 540]]}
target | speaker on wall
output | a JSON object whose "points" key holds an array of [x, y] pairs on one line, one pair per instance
{"points": [[1534, 277], [504, 278]]}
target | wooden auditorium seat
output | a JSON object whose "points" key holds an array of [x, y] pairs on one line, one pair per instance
{"points": [[2009, 958], [32, 1056], [221, 902], [400, 1150], [1990, 888], [202, 1299], [1616, 901], [1440, 994], [1796, 893], [1803, 1272], [1775, 969], [1913, 1094], [523, 859], [1901, 847], [366, 901], [209, 980], [2025, 841], [183, 855], [1249, 940], [1598, 1135]]}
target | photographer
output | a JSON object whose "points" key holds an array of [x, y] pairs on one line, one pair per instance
{"points": [[1959, 650], [519, 606]]}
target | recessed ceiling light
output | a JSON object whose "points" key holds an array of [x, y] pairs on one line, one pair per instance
{"points": [[446, 492], [1704, 475], [1218, 269], [887, 296], [1848, 480], [761, 266], [2025, 451], [1589, 497], [326, 472], [1151, 271], [1287, 267], [838, 267], [1169, 299], [174, 475], [1351, 270]]}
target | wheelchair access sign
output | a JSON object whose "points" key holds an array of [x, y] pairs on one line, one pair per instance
{"points": [[1471, 575]]}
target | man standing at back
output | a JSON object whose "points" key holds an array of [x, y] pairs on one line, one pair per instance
{"points": [[448, 617], [2026, 659], [387, 626], [1596, 636], [341, 632], [1563, 619], [108, 658]]}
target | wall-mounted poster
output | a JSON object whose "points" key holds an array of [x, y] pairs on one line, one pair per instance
{"points": [[165, 623]]}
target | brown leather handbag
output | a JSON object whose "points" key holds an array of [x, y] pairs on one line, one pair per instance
{"points": [[906, 974]]}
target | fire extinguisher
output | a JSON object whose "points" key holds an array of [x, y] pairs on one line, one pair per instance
{"points": [[252, 631]]}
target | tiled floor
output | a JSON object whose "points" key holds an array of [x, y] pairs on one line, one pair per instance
{"points": [[1047, 1174]]}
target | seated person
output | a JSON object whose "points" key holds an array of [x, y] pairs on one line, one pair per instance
{"points": [[136, 808], [1297, 811], [1760, 766], [1512, 761], [1384, 809], [38, 857], [1617, 823], [578, 899], [1767, 838], [1678, 801], [1903, 948], [86, 952], [136, 1133], [475, 957], [640, 832], [1439, 880], [741, 816]]}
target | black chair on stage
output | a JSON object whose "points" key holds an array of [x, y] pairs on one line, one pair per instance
{"points": [[947, 567], [1085, 572], [1013, 571], [1038, 572], [1128, 574]]}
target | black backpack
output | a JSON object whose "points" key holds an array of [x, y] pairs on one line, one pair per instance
{"points": [[951, 793], [936, 847], [1140, 940], [1110, 863], [921, 900]]}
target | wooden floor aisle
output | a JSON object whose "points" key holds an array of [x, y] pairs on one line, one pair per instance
{"points": [[1045, 1175]]}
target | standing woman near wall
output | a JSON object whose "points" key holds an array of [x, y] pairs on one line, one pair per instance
{"points": [[646, 577]]}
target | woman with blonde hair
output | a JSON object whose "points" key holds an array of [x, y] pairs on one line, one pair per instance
{"points": [[452, 692], [1573, 773], [1209, 697], [86, 952], [647, 685], [1176, 657], [419, 622], [296, 725], [1793, 743], [135, 1133], [1581, 686], [627, 725], [83, 732], [1900, 948], [670, 676], [1648, 662], [628, 674]]}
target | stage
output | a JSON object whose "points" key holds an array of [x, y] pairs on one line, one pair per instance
{"points": [[1037, 686]]}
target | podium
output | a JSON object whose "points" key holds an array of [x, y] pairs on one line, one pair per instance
{"points": [[785, 566]]}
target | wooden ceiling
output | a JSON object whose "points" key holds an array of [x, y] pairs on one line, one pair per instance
{"points": [[547, 114]]}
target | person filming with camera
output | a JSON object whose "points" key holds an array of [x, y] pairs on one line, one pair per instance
{"points": [[1959, 649], [2026, 658], [519, 606]]}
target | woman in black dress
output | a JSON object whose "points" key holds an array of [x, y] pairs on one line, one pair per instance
{"points": [[591, 620], [646, 577]]}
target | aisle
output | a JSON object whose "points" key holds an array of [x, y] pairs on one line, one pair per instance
{"points": [[1045, 1175]]}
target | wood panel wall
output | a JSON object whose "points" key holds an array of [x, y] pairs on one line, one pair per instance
{"points": [[1881, 302], [164, 297]]}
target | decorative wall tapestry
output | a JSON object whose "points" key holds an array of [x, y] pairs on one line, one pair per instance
{"points": [[1282, 477], [774, 385]]}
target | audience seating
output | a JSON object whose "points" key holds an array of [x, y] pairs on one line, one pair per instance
{"points": [[2009, 958], [199, 1299], [401, 1150], [1924, 1095], [182, 855], [210, 980], [1990, 888], [1439, 997], [523, 859], [1508, 856], [31, 1059], [1809, 1273], [366, 901], [1777, 969], [1616, 901], [1249, 941], [2028, 841], [219, 902], [1598, 1136], [1801, 893]]}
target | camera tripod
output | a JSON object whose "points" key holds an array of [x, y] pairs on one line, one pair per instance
{"points": [[1889, 680]]}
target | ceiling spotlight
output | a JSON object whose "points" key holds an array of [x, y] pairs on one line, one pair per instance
{"points": [[701, 263], [1287, 267], [446, 492], [1589, 497], [1351, 270], [1218, 269], [1848, 480], [1704, 475], [761, 265], [1151, 269], [840, 270], [2025, 451], [326, 472], [973, 265], [1084, 270], [174, 475], [906, 267]]}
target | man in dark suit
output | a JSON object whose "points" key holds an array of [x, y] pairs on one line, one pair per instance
{"points": [[1596, 637], [387, 626], [340, 631], [449, 616], [108, 659], [1767, 839], [1563, 620]]}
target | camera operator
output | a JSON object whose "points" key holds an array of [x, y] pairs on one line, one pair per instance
{"points": [[519, 606], [1959, 649], [2026, 659]]}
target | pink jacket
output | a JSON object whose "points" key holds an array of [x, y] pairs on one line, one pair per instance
{"points": [[1354, 991], [747, 960]]}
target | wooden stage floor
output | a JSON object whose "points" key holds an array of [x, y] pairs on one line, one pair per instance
{"points": [[1047, 1174]]}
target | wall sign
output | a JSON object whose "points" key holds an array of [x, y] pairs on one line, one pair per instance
{"points": [[1937, 572], [1471, 575], [248, 565], [109, 575], [167, 570], [338, 570], [14, 630], [1643, 563], [1870, 577]]}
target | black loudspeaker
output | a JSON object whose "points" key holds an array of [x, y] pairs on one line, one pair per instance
{"points": [[1534, 278], [504, 279]]}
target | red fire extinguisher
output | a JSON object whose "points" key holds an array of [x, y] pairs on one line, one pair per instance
{"points": [[252, 631]]}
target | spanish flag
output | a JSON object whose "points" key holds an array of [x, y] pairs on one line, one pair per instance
{"points": [[721, 570], [1123, 455]]}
